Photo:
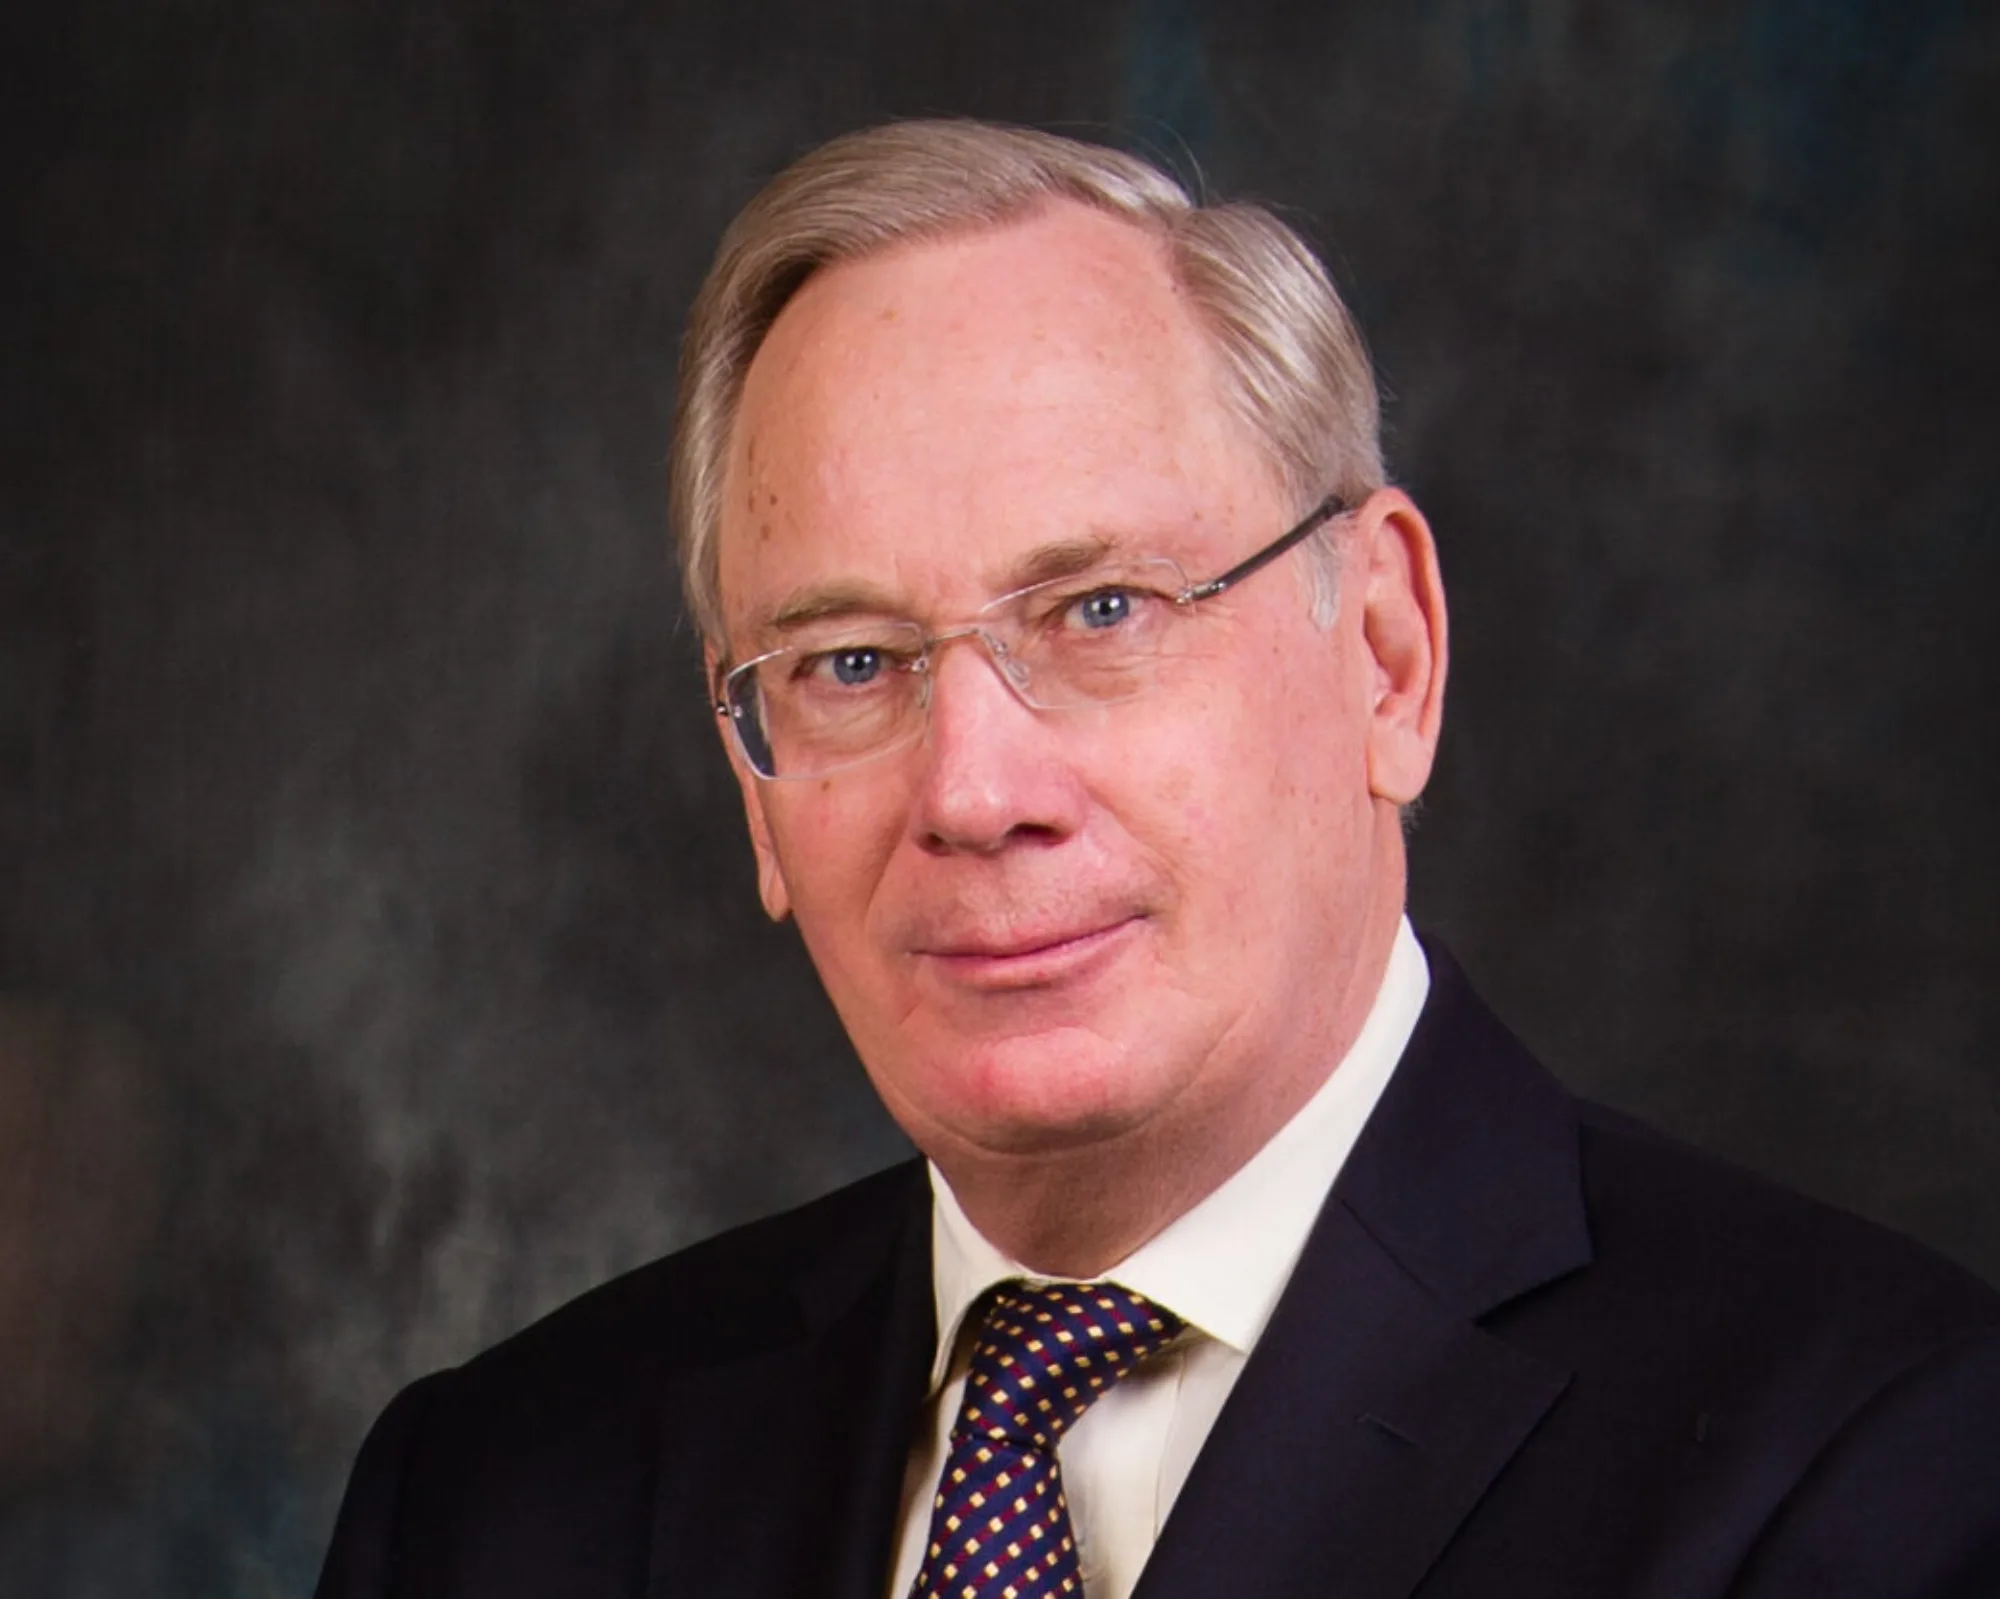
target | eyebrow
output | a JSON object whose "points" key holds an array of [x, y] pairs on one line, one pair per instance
{"points": [[805, 606], [835, 601], [1063, 558]]}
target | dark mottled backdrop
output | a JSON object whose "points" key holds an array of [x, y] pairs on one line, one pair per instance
{"points": [[379, 963]]}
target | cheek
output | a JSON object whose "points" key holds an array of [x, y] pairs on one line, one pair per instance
{"points": [[1249, 779], [1243, 723], [833, 841]]}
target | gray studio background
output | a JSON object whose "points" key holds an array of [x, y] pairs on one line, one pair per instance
{"points": [[379, 958]]}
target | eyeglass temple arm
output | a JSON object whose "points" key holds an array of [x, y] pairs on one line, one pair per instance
{"points": [[1321, 514], [718, 694]]}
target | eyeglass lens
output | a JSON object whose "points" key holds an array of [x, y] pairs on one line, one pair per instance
{"points": [[814, 707]]}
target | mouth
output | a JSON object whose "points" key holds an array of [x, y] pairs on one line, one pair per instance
{"points": [[1038, 959]]}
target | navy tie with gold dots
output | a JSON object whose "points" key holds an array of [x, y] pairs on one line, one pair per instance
{"points": [[1000, 1526]]}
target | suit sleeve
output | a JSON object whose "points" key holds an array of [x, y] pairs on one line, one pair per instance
{"points": [[362, 1561], [1904, 1503]]}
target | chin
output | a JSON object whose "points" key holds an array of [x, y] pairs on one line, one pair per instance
{"points": [[1064, 1089]]}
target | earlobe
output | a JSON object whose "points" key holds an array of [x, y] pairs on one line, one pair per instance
{"points": [[1404, 625], [771, 887]]}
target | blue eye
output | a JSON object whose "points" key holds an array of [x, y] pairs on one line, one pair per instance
{"points": [[851, 668], [1103, 608]]}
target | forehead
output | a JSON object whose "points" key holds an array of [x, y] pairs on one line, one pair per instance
{"points": [[922, 418]]}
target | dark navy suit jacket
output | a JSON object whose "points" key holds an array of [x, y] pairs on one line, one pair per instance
{"points": [[1531, 1349]]}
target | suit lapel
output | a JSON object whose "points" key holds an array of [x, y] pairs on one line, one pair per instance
{"points": [[1375, 1412], [795, 1485], [1354, 1444]]}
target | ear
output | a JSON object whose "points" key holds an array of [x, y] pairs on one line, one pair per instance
{"points": [[770, 875], [1403, 624]]}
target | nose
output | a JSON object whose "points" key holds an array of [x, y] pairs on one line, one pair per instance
{"points": [[995, 772]]}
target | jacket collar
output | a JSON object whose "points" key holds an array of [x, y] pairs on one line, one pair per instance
{"points": [[1469, 1174], [1376, 1411]]}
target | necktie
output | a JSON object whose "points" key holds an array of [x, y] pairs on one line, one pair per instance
{"points": [[1000, 1526]]}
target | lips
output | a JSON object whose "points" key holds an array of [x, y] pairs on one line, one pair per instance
{"points": [[1029, 957]]}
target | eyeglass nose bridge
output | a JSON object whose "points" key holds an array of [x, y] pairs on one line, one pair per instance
{"points": [[999, 654]]}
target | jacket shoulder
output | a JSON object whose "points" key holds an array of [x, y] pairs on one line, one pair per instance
{"points": [[538, 1456], [1745, 1266], [722, 1297]]}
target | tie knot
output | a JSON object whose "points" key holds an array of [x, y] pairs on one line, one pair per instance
{"points": [[1045, 1352]]}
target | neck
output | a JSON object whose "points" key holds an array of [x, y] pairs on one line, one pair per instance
{"points": [[1078, 1211], [1073, 1214]]}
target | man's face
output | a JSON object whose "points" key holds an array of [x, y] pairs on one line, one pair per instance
{"points": [[1157, 919]]}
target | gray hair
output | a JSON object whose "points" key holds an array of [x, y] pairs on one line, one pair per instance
{"points": [[1295, 369]]}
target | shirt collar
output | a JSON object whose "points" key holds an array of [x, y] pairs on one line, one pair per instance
{"points": [[1222, 1266]]}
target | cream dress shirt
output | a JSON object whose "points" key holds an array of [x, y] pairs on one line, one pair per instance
{"points": [[1221, 1268]]}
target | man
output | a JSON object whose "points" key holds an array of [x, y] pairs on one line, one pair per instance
{"points": [[1077, 664]]}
